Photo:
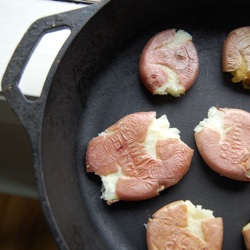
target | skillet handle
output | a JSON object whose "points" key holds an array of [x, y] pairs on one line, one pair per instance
{"points": [[30, 113]]}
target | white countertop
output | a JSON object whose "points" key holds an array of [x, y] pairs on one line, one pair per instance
{"points": [[15, 18]]}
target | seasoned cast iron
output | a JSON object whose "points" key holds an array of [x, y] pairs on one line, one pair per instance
{"points": [[94, 82]]}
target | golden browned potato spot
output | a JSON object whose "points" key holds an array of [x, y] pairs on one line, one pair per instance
{"points": [[246, 235], [181, 225], [169, 63], [138, 157], [223, 140], [236, 55]]}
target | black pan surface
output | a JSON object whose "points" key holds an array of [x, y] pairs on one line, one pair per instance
{"points": [[97, 83]]}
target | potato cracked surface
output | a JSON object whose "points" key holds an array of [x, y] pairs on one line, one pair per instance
{"points": [[223, 140], [181, 225], [236, 55], [169, 63], [138, 157]]}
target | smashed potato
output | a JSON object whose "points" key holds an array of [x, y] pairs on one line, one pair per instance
{"points": [[169, 63], [138, 157], [223, 140], [182, 225], [236, 55]]}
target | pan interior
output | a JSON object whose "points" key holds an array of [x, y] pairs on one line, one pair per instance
{"points": [[97, 83]]}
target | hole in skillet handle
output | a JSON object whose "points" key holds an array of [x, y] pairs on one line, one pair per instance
{"points": [[36, 70], [17, 82]]}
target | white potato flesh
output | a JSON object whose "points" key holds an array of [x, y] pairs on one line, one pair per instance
{"points": [[157, 130], [109, 185], [247, 226], [196, 214], [181, 37], [214, 121], [172, 86]]}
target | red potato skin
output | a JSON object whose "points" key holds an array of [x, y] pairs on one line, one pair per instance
{"points": [[236, 53], [145, 176], [229, 157], [235, 46], [167, 230], [157, 55]]}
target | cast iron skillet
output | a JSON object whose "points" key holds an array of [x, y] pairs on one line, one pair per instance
{"points": [[94, 82]]}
